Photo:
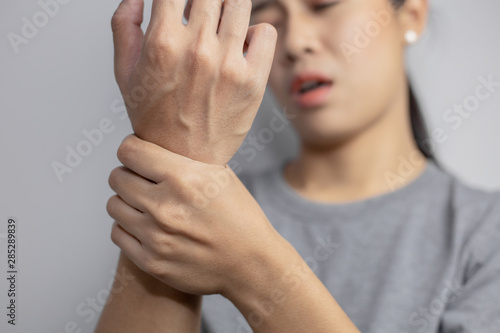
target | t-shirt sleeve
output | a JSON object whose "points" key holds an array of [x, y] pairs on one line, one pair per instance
{"points": [[476, 308]]}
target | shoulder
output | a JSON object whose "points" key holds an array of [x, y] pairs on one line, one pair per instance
{"points": [[479, 211], [462, 198], [478, 206], [475, 214]]}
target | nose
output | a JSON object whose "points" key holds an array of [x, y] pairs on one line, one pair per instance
{"points": [[299, 38]]}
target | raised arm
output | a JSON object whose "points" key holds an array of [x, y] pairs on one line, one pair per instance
{"points": [[198, 229], [188, 89]]}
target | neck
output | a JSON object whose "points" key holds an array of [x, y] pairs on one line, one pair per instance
{"points": [[369, 164]]}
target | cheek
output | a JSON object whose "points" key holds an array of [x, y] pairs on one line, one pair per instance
{"points": [[370, 55]]}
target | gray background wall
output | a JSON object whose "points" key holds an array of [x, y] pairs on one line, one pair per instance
{"points": [[61, 83]]}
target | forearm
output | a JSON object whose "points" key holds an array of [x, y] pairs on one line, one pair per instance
{"points": [[144, 304], [149, 305], [169, 104], [286, 296]]}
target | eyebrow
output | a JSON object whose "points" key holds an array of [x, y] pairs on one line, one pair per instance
{"points": [[261, 6]]}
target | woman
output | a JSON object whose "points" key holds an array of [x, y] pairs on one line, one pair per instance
{"points": [[362, 232]]}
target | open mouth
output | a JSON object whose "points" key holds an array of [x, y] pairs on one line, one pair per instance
{"points": [[311, 85], [311, 89]]}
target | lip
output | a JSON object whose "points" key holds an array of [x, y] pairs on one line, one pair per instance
{"points": [[314, 98]]}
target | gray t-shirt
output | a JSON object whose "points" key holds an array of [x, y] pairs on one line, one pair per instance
{"points": [[422, 258]]}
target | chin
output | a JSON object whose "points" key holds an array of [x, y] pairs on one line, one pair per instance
{"points": [[325, 135]]}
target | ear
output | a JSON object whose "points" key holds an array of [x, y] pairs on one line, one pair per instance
{"points": [[412, 15]]}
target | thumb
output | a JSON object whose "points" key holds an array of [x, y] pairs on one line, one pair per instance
{"points": [[127, 39], [260, 46]]}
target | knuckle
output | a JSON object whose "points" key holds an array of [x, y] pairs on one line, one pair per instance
{"points": [[190, 181], [160, 244], [152, 265], [170, 217], [157, 209], [158, 45], [178, 215], [189, 188], [157, 240], [249, 81], [180, 212], [200, 56], [232, 73]]}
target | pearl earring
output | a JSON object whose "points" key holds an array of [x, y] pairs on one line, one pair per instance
{"points": [[411, 36]]}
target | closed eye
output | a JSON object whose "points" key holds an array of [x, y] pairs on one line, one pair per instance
{"points": [[322, 6]]}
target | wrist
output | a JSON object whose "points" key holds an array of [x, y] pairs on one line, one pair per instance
{"points": [[151, 286], [269, 283], [289, 297]]}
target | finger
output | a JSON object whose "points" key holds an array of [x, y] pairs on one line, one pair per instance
{"points": [[130, 245], [132, 188], [127, 217], [261, 40], [204, 16], [234, 23], [166, 14], [127, 39], [149, 160]]}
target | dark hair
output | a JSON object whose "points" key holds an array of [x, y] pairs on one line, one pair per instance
{"points": [[418, 126]]}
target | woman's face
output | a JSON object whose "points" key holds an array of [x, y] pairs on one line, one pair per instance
{"points": [[338, 66]]}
